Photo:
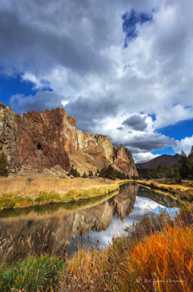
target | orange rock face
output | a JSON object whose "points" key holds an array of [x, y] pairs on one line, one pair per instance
{"points": [[43, 140]]}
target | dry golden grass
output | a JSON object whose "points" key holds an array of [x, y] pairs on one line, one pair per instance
{"points": [[163, 262], [158, 256], [98, 270], [26, 191], [33, 185]]}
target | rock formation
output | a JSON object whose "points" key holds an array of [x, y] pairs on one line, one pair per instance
{"points": [[39, 141]]}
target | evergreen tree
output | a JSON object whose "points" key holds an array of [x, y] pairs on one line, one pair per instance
{"points": [[74, 172]]}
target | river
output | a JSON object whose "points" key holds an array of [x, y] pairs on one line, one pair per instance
{"points": [[61, 229]]}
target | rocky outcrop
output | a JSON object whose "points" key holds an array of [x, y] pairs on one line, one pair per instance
{"points": [[8, 136], [123, 162], [39, 141]]}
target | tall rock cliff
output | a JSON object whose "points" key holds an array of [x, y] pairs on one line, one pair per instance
{"points": [[37, 141]]}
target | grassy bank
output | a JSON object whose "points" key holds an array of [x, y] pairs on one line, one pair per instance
{"points": [[156, 256], [32, 274], [183, 192], [22, 192]]}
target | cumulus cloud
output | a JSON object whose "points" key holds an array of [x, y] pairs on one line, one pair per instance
{"points": [[185, 145], [139, 142], [143, 157], [76, 48]]}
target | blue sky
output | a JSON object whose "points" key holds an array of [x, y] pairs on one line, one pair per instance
{"points": [[122, 68], [12, 85], [180, 130], [131, 20]]}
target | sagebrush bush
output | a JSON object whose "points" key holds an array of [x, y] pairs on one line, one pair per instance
{"points": [[32, 274]]}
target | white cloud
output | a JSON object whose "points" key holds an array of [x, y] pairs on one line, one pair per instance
{"points": [[185, 145], [176, 114], [38, 83], [77, 49], [144, 156]]}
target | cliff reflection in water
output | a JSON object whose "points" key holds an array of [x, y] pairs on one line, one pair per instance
{"points": [[51, 233]]}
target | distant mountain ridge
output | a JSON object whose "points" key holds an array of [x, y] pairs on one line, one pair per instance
{"points": [[168, 166], [160, 161]]}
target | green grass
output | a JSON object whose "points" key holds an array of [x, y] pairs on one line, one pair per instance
{"points": [[10, 201], [32, 274], [13, 201], [54, 207]]}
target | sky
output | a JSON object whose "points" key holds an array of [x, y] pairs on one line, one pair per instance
{"points": [[122, 68]]}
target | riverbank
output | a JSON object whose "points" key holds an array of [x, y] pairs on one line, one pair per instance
{"points": [[131, 263], [182, 192], [22, 192]]}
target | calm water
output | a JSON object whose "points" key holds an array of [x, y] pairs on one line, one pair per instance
{"points": [[61, 229]]}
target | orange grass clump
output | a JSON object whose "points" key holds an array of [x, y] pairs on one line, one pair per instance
{"points": [[98, 270], [163, 262]]}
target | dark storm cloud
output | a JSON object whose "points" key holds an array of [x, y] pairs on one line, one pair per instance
{"points": [[36, 35], [41, 101], [26, 47], [90, 111], [148, 142], [87, 111], [136, 122]]}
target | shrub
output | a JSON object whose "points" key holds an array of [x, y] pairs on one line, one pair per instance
{"points": [[3, 165], [163, 262], [32, 274], [112, 173], [90, 173], [84, 175], [74, 172]]}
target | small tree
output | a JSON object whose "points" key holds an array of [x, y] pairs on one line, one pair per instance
{"points": [[3, 165], [112, 173], [74, 172], [84, 175], [90, 174], [176, 175], [184, 167]]}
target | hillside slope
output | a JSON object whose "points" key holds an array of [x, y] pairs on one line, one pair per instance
{"points": [[164, 160], [162, 166]]}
